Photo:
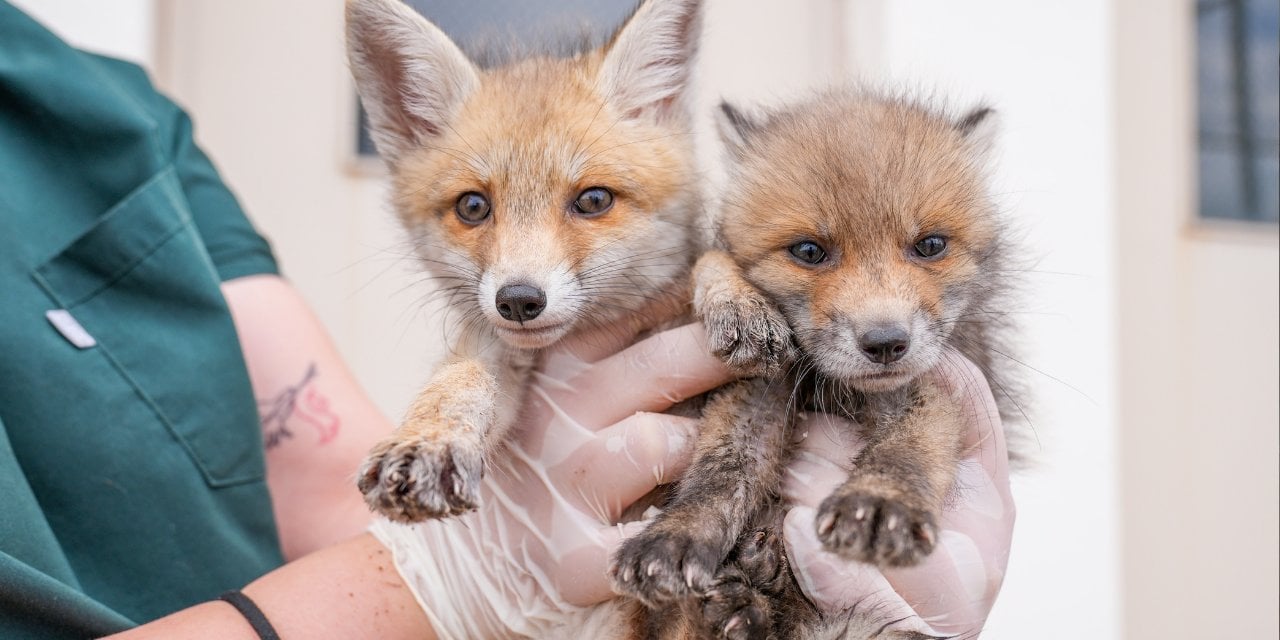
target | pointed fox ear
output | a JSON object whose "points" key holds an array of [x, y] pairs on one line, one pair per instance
{"points": [[649, 62], [735, 126], [979, 127], [411, 77]]}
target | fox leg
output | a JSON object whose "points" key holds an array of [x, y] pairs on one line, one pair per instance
{"points": [[743, 327], [736, 467], [886, 512], [432, 465]]}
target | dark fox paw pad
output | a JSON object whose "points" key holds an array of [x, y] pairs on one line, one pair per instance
{"points": [[734, 610], [415, 480], [657, 567], [761, 557], [876, 530], [737, 606], [749, 335]]}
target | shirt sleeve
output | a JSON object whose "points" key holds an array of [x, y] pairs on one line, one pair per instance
{"points": [[234, 245], [236, 248]]}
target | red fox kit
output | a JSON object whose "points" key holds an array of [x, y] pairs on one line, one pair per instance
{"points": [[858, 242], [551, 194]]}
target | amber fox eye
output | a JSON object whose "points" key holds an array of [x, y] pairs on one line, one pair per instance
{"points": [[809, 252], [593, 201], [472, 208], [931, 246]]}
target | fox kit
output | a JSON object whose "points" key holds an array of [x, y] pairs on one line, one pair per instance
{"points": [[858, 242], [552, 194]]}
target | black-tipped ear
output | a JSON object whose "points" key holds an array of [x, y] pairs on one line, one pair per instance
{"points": [[734, 125], [649, 63], [411, 77], [979, 128], [974, 119]]}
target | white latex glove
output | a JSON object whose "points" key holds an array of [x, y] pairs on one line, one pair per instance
{"points": [[953, 590], [588, 444]]}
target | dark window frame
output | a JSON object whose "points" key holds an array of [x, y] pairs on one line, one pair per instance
{"points": [[1233, 152]]}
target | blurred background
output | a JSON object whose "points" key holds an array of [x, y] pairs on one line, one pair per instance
{"points": [[1138, 156]]}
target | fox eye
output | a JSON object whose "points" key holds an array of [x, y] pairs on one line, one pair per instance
{"points": [[931, 246], [472, 208], [809, 251], [593, 201]]}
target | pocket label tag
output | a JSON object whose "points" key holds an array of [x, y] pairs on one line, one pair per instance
{"points": [[66, 324]]}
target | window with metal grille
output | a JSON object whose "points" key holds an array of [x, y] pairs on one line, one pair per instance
{"points": [[1238, 60], [495, 25]]}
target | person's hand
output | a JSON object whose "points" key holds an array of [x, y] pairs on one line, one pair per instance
{"points": [[588, 444], [953, 589]]}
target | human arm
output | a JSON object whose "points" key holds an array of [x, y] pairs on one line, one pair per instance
{"points": [[348, 590], [317, 426], [953, 589], [317, 421]]}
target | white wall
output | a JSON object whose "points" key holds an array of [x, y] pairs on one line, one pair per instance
{"points": [[1046, 68], [119, 28]]}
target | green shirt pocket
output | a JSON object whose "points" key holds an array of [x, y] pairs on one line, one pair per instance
{"points": [[141, 283]]}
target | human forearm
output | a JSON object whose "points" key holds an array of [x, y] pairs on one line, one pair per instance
{"points": [[350, 590], [317, 421]]}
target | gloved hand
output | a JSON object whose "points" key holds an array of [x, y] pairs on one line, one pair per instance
{"points": [[588, 444], [953, 590]]}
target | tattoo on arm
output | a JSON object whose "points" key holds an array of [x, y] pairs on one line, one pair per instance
{"points": [[302, 401]]}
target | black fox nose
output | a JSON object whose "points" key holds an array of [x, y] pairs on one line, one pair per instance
{"points": [[520, 302], [885, 344]]}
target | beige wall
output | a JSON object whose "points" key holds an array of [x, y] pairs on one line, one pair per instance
{"points": [[1197, 358]]}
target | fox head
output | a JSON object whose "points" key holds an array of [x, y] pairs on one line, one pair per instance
{"points": [[867, 221], [549, 193]]}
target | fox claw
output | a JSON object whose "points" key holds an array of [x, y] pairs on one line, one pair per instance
{"points": [[877, 530], [411, 481], [749, 334], [740, 606], [660, 567]]}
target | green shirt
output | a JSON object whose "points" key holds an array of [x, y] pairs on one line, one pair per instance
{"points": [[131, 471]]}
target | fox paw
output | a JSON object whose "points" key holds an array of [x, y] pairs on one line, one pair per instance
{"points": [[876, 530], [419, 479], [658, 567], [749, 334], [734, 610], [761, 558], [737, 606]]}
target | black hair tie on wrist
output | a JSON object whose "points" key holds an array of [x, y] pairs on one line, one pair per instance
{"points": [[251, 613]]}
